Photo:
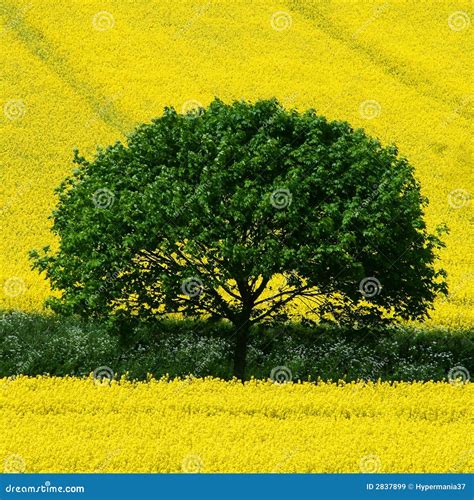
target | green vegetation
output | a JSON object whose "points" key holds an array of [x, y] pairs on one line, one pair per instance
{"points": [[235, 212], [35, 344]]}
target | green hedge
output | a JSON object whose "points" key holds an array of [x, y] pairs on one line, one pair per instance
{"points": [[36, 344]]}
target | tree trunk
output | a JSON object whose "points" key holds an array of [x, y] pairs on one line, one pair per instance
{"points": [[240, 349], [125, 328]]}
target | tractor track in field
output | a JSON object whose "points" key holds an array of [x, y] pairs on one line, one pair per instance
{"points": [[376, 59]]}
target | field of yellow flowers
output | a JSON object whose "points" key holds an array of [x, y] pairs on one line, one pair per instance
{"points": [[84, 73], [207, 425], [78, 73]]}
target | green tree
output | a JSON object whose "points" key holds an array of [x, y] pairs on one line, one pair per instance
{"points": [[204, 213]]}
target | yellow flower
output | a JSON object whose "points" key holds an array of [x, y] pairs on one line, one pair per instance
{"points": [[77, 74], [69, 424]]}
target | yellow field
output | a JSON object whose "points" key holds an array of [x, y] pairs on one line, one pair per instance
{"points": [[75, 425], [84, 72]]}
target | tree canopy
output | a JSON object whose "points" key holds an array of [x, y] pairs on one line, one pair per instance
{"points": [[237, 211]]}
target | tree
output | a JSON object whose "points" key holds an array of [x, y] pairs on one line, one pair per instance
{"points": [[237, 211]]}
